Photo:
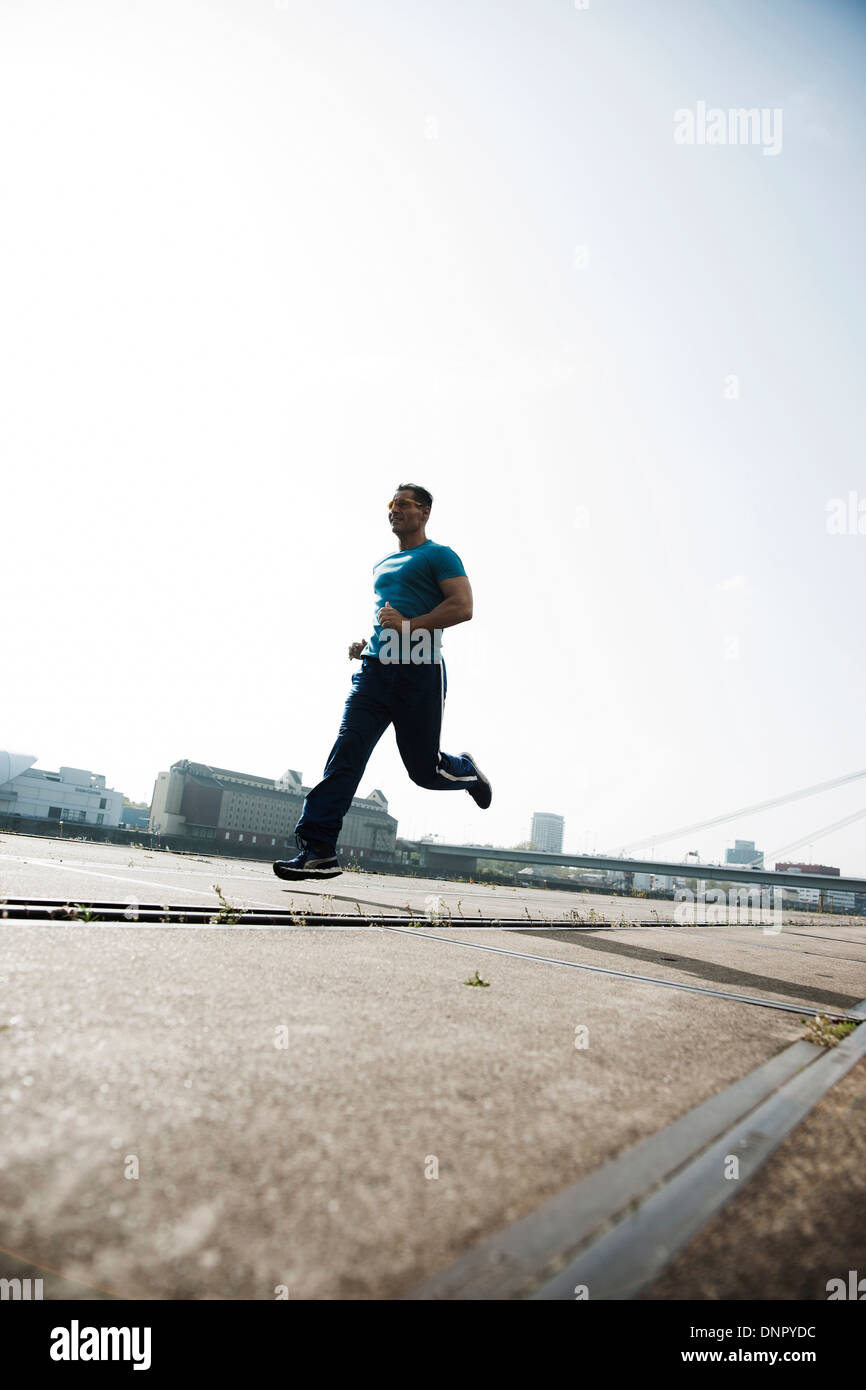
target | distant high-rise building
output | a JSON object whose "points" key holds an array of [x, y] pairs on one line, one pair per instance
{"points": [[744, 852], [546, 831]]}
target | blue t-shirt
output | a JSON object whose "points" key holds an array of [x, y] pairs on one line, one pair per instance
{"points": [[409, 581]]}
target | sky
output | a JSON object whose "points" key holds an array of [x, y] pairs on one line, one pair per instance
{"points": [[263, 260]]}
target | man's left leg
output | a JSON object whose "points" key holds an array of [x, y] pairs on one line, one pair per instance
{"points": [[417, 707]]}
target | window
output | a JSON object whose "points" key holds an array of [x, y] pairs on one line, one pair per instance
{"points": [[54, 813], [102, 805], [99, 818]]}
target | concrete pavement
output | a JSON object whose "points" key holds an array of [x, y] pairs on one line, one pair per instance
{"points": [[221, 1112]]}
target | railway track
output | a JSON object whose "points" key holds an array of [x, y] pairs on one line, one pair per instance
{"points": [[54, 910], [66, 909]]}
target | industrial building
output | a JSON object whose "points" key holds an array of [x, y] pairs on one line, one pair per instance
{"points": [[218, 805], [832, 897]]}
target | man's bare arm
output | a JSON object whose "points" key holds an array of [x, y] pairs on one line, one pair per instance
{"points": [[456, 606]]}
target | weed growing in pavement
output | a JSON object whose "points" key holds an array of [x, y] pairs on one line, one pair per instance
{"points": [[485, 984], [227, 916], [84, 913], [826, 1034], [436, 910]]}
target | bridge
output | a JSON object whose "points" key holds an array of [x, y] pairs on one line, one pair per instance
{"points": [[464, 858]]}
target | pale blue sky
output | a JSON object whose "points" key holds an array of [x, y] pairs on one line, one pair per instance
{"points": [[261, 262]]}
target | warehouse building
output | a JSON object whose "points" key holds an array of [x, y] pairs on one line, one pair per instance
{"points": [[220, 806]]}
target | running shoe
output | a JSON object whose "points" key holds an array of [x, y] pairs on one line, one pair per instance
{"points": [[314, 861], [481, 791]]}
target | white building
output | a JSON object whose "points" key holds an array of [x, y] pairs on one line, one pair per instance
{"points": [[652, 883], [72, 795]]}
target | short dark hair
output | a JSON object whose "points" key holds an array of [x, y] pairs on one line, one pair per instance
{"points": [[421, 495]]}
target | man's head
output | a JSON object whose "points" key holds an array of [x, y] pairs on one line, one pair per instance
{"points": [[408, 511]]}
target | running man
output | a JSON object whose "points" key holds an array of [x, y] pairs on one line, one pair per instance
{"points": [[420, 589]]}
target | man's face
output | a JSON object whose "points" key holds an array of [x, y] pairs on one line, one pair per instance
{"points": [[405, 515]]}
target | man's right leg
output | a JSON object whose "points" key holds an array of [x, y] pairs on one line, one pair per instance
{"points": [[365, 718]]}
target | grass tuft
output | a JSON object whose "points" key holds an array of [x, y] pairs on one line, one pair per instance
{"points": [[228, 916], [826, 1034], [484, 984]]}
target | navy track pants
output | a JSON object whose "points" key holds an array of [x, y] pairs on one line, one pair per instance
{"points": [[412, 697]]}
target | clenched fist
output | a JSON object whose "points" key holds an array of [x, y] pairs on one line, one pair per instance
{"points": [[390, 617], [355, 650]]}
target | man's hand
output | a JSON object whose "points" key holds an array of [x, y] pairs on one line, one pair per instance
{"points": [[389, 617], [355, 650]]}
